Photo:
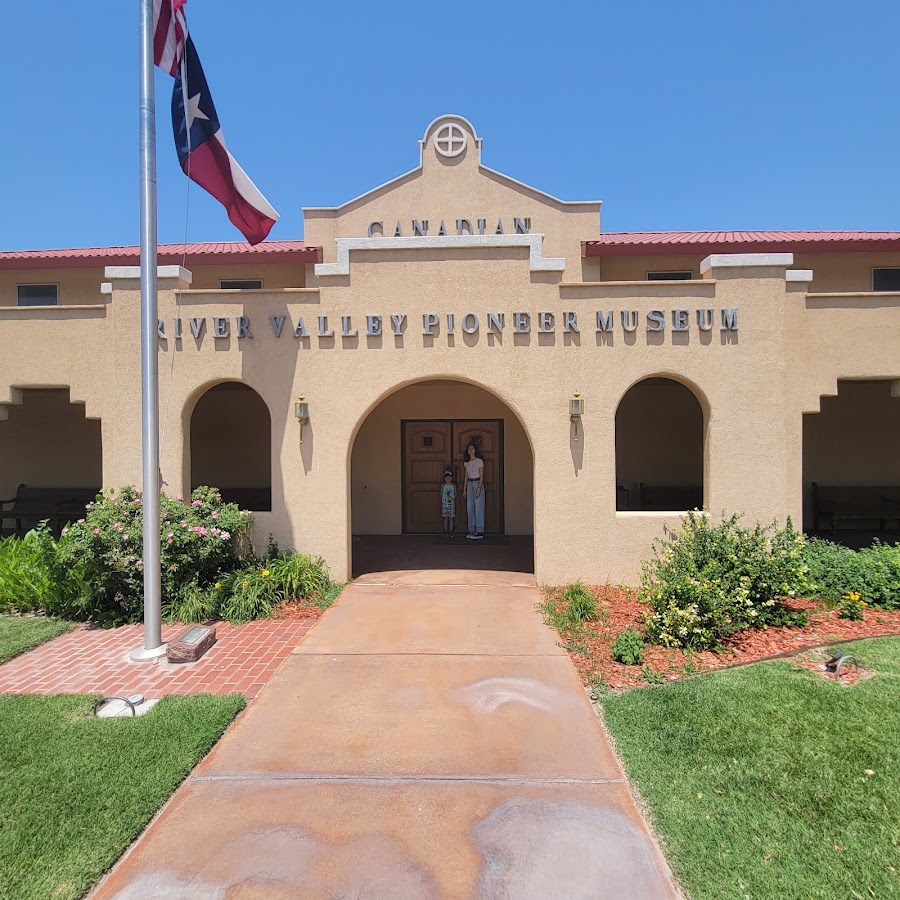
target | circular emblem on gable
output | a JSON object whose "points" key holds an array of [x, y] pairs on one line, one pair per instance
{"points": [[450, 140]]}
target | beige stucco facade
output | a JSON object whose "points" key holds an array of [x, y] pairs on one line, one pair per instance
{"points": [[782, 333]]}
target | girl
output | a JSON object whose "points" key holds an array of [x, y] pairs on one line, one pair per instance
{"points": [[474, 493]]}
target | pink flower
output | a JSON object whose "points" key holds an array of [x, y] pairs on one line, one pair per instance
{"points": [[117, 525], [184, 524], [96, 531], [197, 503], [124, 537], [89, 505], [168, 540], [215, 515], [64, 530], [171, 534], [225, 535], [80, 522]]}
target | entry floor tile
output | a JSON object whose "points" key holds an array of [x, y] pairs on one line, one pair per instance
{"points": [[414, 714], [394, 840], [434, 619]]}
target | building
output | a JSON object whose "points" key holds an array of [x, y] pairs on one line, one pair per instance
{"points": [[455, 304]]}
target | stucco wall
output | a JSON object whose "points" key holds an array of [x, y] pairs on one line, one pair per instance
{"points": [[273, 277], [832, 272], [376, 464], [76, 286], [47, 442]]}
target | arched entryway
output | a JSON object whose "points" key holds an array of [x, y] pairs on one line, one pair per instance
{"points": [[231, 445], [659, 447], [401, 449]]}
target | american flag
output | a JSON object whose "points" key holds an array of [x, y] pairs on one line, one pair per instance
{"points": [[169, 34]]}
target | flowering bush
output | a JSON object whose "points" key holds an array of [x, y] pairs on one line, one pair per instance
{"points": [[199, 540], [852, 607], [710, 581]]}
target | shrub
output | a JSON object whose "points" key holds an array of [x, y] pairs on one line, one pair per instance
{"points": [[628, 648], [873, 572], [248, 594], [37, 576], [851, 607], [297, 576], [200, 540], [581, 604], [710, 581]]}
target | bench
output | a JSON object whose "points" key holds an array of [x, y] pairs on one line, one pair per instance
{"points": [[32, 504], [838, 503], [671, 497]]}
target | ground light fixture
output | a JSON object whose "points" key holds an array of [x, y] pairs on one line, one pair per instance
{"points": [[301, 411], [576, 410]]}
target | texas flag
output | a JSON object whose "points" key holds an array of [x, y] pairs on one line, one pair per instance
{"points": [[205, 158]]}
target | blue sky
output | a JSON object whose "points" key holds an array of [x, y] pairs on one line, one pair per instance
{"points": [[693, 115]]}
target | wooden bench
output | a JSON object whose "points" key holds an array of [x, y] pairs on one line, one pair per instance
{"points": [[839, 503], [32, 504], [671, 497]]}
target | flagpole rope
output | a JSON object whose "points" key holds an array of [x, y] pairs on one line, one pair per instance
{"points": [[187, 217]]}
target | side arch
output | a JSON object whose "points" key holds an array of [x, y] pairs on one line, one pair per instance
{"points": [[661, 446], [228, 427]]}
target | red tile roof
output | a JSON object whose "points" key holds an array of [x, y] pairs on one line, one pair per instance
{"points": [[693, 243], [167, 255]]}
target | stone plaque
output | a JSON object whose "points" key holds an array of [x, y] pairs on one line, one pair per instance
{"points": [[191, 645]]}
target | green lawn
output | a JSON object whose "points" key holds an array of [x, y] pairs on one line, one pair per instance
{"points": [[757, 781], [75, 791], [21, 633]]}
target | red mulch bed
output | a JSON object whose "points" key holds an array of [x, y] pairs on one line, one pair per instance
{"points": [[295, 609], [620, 609]]}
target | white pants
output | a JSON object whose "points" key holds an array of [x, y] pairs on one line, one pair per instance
{"points": [[475, 507]]}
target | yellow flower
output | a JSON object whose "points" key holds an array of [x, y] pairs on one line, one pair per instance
{"points": [[265, 573], [218, 586]]}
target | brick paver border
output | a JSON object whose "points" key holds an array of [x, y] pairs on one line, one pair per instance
{"points": [[96, 661]]}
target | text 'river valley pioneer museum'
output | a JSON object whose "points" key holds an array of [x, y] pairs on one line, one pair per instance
{"points": [[609, 381]]}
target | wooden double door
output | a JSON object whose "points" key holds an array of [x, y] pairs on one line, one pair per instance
{"points": [[430, 447]]}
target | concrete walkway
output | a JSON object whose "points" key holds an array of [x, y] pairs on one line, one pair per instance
{"points": [[427, 739]]}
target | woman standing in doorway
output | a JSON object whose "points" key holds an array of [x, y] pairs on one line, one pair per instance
{"points": [[474, 493]]}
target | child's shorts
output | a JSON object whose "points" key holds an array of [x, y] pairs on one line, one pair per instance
{"points": [[448, 510]]}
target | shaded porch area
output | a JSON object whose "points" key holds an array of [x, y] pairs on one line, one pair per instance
{"points": [[508, 558]]}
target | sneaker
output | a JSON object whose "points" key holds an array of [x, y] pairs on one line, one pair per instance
{"points": [[471, 537], [478, 537]]}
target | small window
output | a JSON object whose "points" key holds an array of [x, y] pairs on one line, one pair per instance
{"points": [[244, 284], [38, 294], [886, 279], [669, 276]]}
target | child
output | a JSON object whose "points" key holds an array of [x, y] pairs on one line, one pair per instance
{"points": [[448, 503]]}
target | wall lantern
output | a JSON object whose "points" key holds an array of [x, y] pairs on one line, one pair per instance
{"points": [[576, 410], [301, 411]]}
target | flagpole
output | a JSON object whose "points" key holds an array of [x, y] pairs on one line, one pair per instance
{"points": [[153, 643]]}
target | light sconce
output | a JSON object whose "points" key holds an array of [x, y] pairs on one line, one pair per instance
{"points": [[301, 411], [576, 410]]}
